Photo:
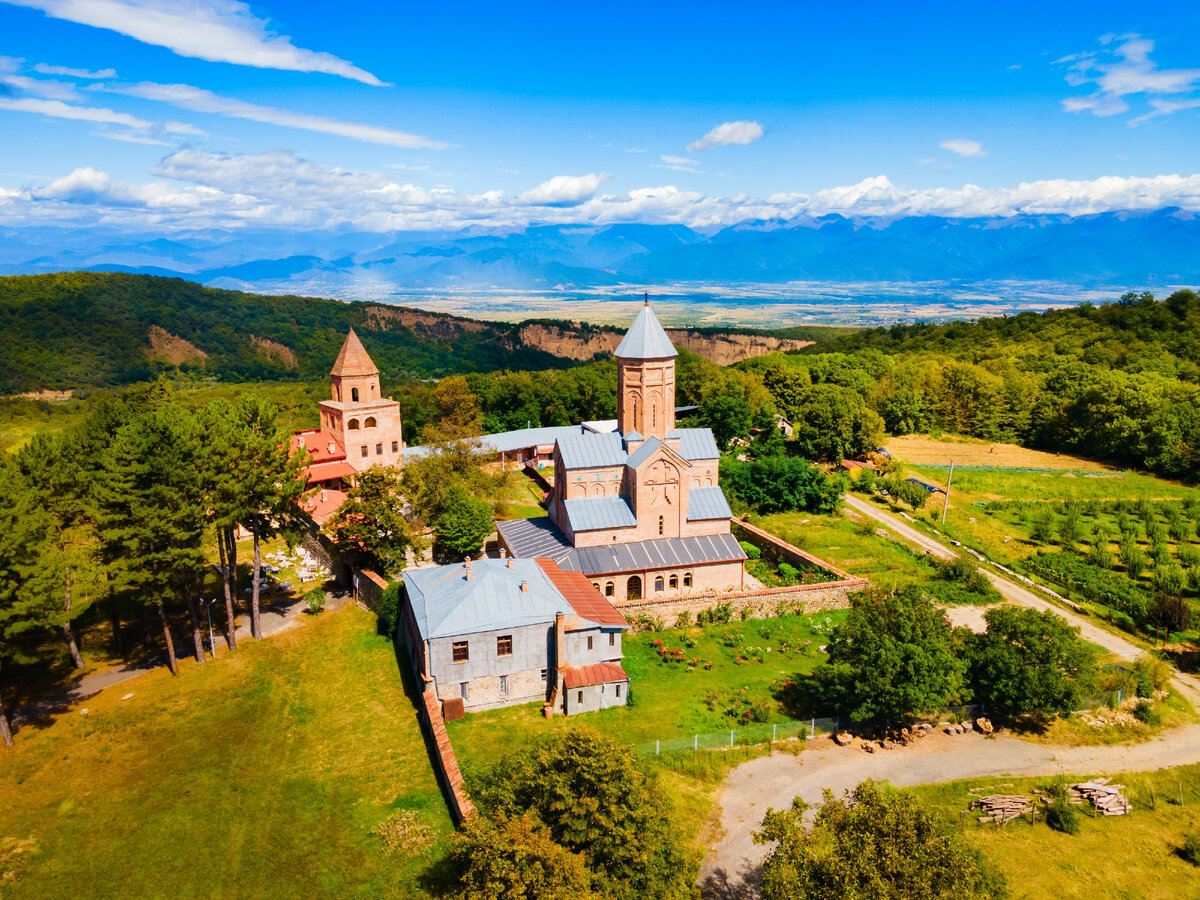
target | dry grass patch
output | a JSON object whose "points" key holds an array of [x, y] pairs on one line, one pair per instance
{"points": [[925, 450]]}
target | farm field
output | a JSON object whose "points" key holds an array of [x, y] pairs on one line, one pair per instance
{"points": [[671, 699], [261, 774], [927, 450], [1111, 858]]}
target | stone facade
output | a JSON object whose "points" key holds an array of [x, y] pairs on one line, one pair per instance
{"points": [[676, 582], [761, 604], [594, 697]]}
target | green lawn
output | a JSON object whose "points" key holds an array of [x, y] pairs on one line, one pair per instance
{"points": [[1111, 858], [669, 700], [258, 775]]}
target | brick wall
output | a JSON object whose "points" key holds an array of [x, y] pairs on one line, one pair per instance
{"points": [[370, 589], [781, 549], [531, 470], [449, 775], [804, 598]]}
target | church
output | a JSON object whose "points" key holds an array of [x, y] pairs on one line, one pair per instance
{"points": [[638, 510]]}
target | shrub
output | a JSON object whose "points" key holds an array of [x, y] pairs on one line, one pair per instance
{"points": [[1145, 713], [750, 550], [789, 573], [1152, 674], [315, 600], [1190, 850], [389, 608], [1062, 816], [715, 615], [683, 620]]}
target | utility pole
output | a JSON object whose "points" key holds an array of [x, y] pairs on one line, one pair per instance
{"points": [[946, 504]]}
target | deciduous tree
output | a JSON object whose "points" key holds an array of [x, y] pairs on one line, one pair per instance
{"points": [[464, 522], [371, 523]]}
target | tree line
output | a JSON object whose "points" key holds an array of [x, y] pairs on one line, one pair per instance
{"points": [[128, 510]]}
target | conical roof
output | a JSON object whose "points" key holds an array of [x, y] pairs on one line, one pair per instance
{"points": [[646, 338], [353, 359]]}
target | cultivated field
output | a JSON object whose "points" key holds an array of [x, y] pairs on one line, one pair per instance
{"points": [[924, 450]]}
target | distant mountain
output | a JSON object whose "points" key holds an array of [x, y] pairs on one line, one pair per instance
{"points": [[1115, 249]]}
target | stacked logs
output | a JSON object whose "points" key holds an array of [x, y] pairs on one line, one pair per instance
{"points": [[1002, 808], [1106, 798]]}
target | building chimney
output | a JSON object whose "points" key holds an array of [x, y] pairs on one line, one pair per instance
{"points": [[510, 562], [467, 566], [560, 643], [329, 448], [524, 587], [503, 553], [323, 495]]}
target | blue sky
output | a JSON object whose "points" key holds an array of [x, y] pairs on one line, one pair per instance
{"points": [[155, 114]]}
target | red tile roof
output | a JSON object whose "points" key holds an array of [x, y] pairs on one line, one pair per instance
{"points": [[596, 673], [321, 505], [587, 602], [337, 468], [317, 443]]}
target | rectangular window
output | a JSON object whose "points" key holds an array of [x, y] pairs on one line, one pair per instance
{"points": [[545, 674], [503, 685], [395, 446], [580, 697], [589, 642], [612, 639], [460, 650], [618, 690], [379, 449], [504, 645], [364, 449], [464, 690]]}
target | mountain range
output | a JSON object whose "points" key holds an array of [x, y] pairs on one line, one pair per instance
{"points": [[1115, 249]]}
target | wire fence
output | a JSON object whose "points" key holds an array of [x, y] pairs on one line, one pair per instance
{"points": [[749, 735]]}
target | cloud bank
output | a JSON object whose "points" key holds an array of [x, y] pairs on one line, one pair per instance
{"points": [[196, 189], [1123, 69], [216, 30]]}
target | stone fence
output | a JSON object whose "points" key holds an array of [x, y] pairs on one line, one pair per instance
{"points": [[368, 589], [784, 551], [758, 604], [449, 775]]}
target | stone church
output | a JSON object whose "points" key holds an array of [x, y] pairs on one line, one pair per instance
{"points": [[637, 510]]}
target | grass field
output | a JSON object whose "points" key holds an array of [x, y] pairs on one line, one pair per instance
{"points": [[1119, 858], [258, 775], [669, 701], [923, 449]]}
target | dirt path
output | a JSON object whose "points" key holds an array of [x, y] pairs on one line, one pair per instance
{"points": [[731, 869]]}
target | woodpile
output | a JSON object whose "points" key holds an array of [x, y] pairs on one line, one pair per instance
{"points": [[1002, 808], [1106, 798]]}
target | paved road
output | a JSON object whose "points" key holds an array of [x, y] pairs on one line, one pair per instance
{"points": [[275, 619], [731, 870]]}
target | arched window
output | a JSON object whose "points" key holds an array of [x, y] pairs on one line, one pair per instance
{"points": [[369, 423], [352, 424], [687, 579], [610, 589], [354, 394], [596, 585], [674, 582], [598, 490], [633, 587], [660, 526], [658, 584]]}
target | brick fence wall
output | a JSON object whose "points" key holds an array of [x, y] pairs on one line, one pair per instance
{"points": [[782, 550], [449, 775], [531, 470], [371, 586], [801, 598]]}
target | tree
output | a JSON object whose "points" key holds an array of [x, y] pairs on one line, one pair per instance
{"points": [[915, 495], [464, 522], [595, 799], [781, 484], [502, 858], [873, 845], [728, 416], [459, 415], [832, 422], [1030, 661], [371, 523], [770, 440], [896, 655]]}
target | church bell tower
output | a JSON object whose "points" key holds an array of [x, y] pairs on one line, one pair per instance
{"points": [[646, 378]]}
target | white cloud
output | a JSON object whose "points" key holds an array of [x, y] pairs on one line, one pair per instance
{"points": [[216, 30], [963, 147], [185, 96], [56, 109], [678, 164], [130, 137], [1126, 70], [74, 73], [740, 132], [41, 87], [635, 149], [564, 190], [277, 189]]}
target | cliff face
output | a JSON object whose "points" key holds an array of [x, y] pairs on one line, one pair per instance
{"points": [[383, 317], [723, 349]]}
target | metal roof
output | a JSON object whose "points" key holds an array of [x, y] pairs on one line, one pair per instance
{"points": [[587, 602], [508, 441], [596, 673], [707, 503], [645, 339], [599, 512], [642, 453], [445, 602], [696, 443], [585, 450], [541, 537], [603, 426]]}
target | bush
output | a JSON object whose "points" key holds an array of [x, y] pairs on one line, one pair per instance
{"points": [[683, 620], [1152, 674], [389, 608], [961, 570], [716, 615], [789, 573], [315, 600], [1145, 713], [781, 484], [1190, 850], [750, 550], [1062, 816]]}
